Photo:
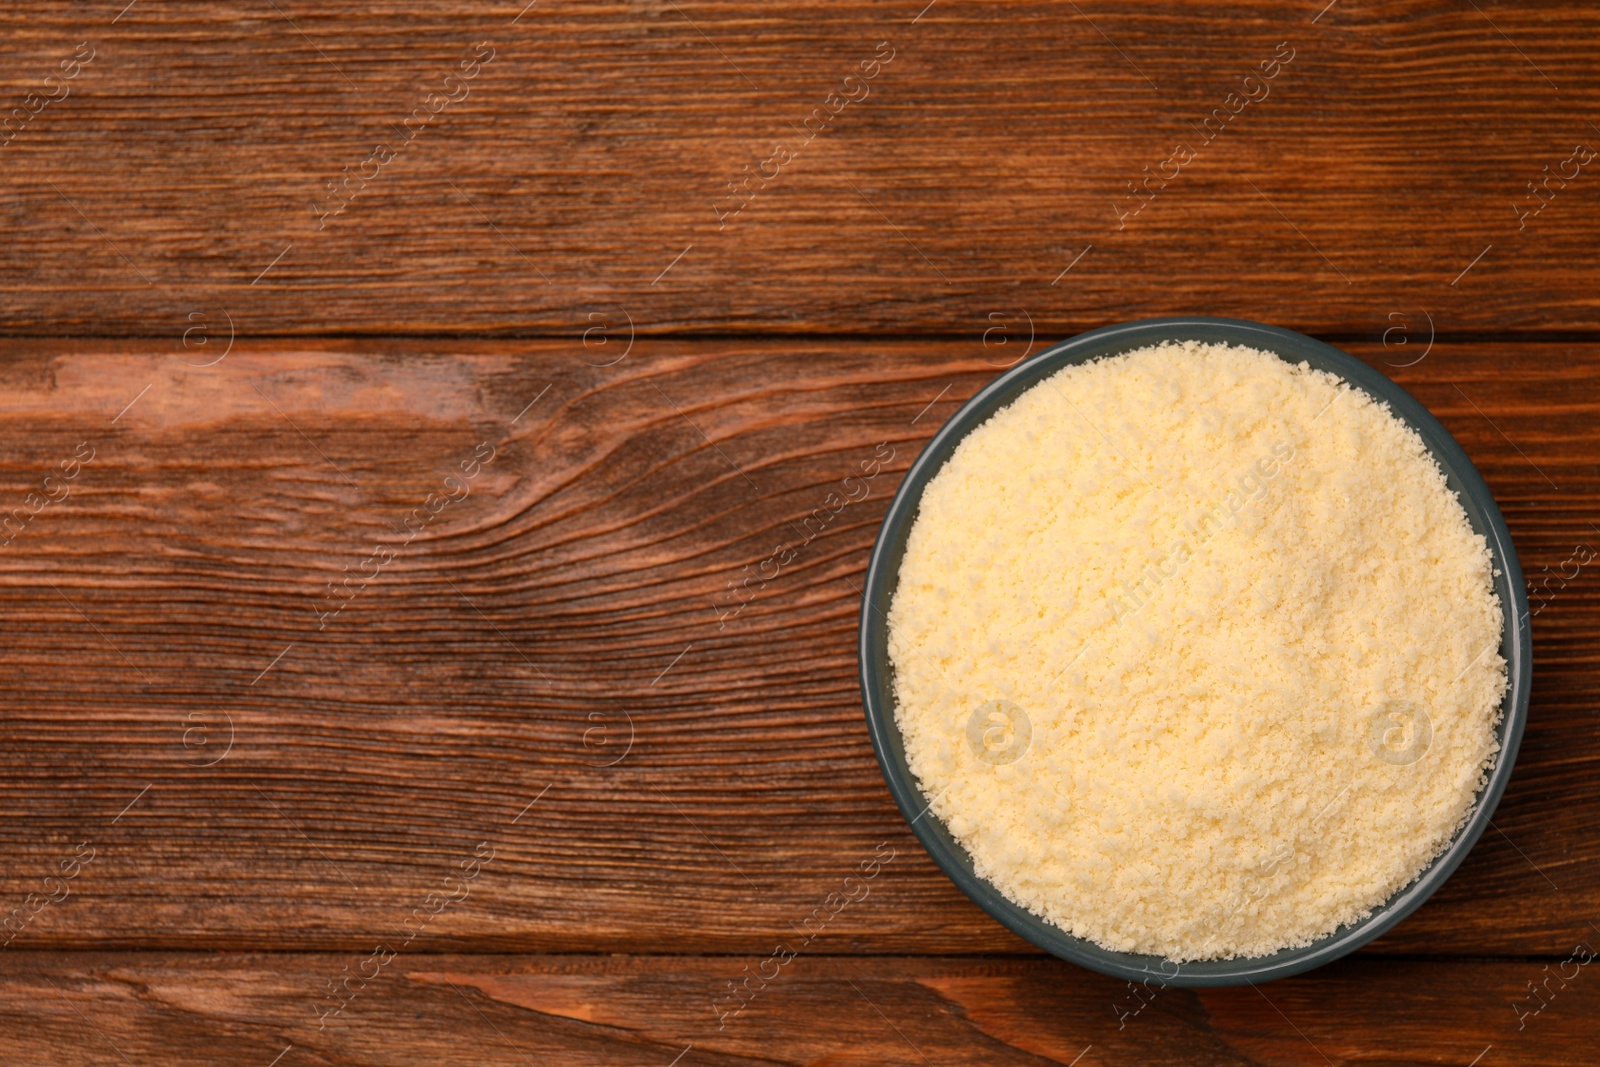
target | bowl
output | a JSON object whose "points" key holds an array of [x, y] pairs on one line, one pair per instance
{"points": [[877, 687]]}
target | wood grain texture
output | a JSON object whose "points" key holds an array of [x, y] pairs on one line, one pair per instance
{"points": [[581, 170], [247, 1008], [395, 576], [478, 692]]}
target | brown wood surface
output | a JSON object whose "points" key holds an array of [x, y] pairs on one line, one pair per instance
{"points": [[247, 1008], [592, 150], [500, 653], [543, 755]]}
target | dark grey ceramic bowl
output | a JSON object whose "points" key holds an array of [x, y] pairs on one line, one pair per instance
{"points": [[877, 676]]}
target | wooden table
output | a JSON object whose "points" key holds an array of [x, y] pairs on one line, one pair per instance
{"points": [[398, 401]]}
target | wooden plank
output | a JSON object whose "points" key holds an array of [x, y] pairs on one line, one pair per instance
{"points": [[584, 168], [250, 1008], [552, 665]]}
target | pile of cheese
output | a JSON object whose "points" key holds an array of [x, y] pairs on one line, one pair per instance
{"points": [[1196, 653]]}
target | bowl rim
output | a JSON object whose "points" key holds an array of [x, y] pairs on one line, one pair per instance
{"points": [[875, 674]]}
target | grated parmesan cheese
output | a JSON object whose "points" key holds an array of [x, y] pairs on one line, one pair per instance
{"points": [[1196, 653]]}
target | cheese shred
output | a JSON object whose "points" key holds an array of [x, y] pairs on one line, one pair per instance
{"points": [[1196, 653]]}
